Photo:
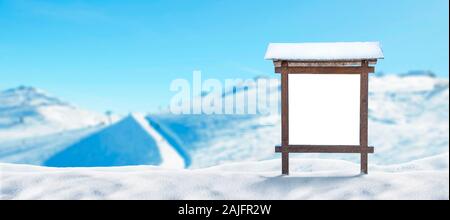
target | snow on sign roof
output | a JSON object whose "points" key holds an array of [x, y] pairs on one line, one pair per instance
{"points": [[324, 51]]}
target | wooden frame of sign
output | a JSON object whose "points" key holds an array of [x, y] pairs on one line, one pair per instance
{"points": [[361, 67]]}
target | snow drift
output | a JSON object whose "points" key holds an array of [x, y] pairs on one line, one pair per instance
{"points": [[310, 179]]}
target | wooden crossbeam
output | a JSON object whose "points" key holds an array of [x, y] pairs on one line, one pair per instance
{"points": [[325, 70], [324, 63], [324, 149]]}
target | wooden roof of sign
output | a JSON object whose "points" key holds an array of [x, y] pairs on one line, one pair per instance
{"points": [[343, 51]]}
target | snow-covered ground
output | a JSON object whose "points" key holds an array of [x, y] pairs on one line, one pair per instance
{"points": [[311, 179]]}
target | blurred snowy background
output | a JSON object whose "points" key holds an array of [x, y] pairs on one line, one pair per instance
{"points": [[408, 120]]}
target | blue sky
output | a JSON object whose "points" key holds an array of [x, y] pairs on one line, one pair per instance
{"points": [[110, 55]]}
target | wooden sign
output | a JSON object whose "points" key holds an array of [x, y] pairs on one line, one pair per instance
{"points": [[324, 97]]}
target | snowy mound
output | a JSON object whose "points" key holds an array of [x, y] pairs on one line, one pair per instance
{"points": [[130, 141], [26, 111], [311, 179]]}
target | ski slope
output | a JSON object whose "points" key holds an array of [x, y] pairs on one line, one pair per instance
{"points": [[37, 128], [169, 155], [131, 141]]}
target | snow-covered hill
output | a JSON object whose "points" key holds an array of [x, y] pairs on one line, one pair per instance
{"points": [[408, 117], [311, 179], [36, 128], [27, 112]]}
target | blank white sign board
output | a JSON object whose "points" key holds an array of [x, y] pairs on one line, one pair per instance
{"points": [[324, 109]]}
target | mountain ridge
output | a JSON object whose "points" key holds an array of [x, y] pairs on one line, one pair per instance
{"points": [[37, 112]]}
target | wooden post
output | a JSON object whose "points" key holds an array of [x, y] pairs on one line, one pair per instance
{"points": [[284, 118], [363, 119]]}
